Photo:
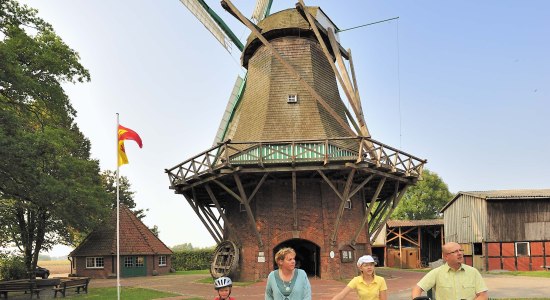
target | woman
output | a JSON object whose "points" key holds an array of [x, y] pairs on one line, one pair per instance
{"points": [[287, 282], [368, 285]]}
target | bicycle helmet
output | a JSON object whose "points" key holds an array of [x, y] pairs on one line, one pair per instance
{"points": [[222, 282]]}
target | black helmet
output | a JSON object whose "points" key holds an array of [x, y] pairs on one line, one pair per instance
{"points": [[222, 282]]}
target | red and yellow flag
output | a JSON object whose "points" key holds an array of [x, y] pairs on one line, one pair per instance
{"points": [[126, 134]]}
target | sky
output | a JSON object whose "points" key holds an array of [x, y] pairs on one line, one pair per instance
{"points": [[463, 84]]}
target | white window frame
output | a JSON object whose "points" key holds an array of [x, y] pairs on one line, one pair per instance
{"points": [[292, 98], [347, 205], [522, 254], [139, 261], [346, 256], [129, 262], [95, 262], [162, 261]]}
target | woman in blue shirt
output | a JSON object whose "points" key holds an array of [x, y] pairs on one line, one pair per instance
{"points": [[287, 282]]}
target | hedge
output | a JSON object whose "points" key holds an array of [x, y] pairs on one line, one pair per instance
{"points": [[192, 260]]}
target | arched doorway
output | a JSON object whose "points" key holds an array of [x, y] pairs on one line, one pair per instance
{"points": [[307, 255]]}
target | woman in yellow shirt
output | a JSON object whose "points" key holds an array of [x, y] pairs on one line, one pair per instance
{"points": [[368, 285]]}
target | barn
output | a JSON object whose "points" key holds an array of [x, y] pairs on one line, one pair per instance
{"points": [[141, 252], [504, 229]]}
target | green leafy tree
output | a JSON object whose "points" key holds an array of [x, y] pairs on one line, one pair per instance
{"points": [[126, 195], [183, 247], [424, 200], [50, 188]]}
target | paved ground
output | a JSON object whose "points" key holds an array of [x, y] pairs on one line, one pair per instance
{"points": [[399, 286]]}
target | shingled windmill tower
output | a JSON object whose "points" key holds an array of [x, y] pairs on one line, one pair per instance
{"points": [[292, 166]]}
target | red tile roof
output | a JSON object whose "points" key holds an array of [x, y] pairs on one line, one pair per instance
{"points": [[135, 238]]}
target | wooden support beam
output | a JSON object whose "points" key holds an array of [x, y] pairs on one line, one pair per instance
{"points": [[209, 216], [289, 68], [395, 202], [228, 190], [195, 208], [361, 185], [367, 211], [331, 185], [343, 199], [258, 187], [222, 213], [248, 210], [294, 203]]}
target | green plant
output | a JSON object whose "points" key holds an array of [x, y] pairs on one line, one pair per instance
{"points": [[192, 259], [12, 268]]}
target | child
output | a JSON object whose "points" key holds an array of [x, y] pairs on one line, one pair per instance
{"points": [[223, 286]]}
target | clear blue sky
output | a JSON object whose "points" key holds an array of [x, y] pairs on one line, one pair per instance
{"points": [[465, 85]]}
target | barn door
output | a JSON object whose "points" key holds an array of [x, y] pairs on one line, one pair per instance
{"points": [[133, 266]]}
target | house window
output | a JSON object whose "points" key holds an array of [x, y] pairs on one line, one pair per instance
{"points": [[346, 255], [94, 263], [140, 261], [128, 262], [292, 99], [162, 260], [522, 249], [347, 205]]}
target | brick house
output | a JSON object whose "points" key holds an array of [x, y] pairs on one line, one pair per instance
{"points": [[141, 252], [505, 229]]}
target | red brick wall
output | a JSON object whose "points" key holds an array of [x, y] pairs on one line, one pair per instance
{"points": [[317, 205], [108, 271]]}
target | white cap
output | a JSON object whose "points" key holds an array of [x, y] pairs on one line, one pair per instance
{"points": [[364, 260]]}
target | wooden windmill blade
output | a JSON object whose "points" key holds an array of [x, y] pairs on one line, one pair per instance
{"points": [[213, 23], [261, 10]]}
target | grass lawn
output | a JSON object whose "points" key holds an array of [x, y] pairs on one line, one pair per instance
{"points": [[544, 274], [125, 293]]}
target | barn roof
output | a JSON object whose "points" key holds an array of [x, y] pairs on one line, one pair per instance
{"points": [[135, 238], [504, 195], [411, 223]]}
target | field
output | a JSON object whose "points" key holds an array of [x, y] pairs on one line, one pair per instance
{"points": [[56, 266]]}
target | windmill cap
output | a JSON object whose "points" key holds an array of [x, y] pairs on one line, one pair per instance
{"points": [[365, 259]]}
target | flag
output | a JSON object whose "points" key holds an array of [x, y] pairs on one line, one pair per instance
{"points": [[126, 134]]}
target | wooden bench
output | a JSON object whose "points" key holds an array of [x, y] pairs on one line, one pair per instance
{"points": [[72, 283], [547, 268], [19, 286]]}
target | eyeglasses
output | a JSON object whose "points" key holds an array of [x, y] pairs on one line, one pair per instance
{"points": [[456, 251]]}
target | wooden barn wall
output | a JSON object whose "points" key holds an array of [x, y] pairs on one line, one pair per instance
{"points": [[465, 220], [518, 220]]}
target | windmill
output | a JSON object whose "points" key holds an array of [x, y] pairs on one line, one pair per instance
{"points": [[294, 167]]}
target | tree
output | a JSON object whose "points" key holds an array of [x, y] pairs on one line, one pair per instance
{"points": [[49, 185], [424, 200], [126, 195]]}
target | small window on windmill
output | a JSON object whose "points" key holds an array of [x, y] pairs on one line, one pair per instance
{"points": [[347, 205], [347, 254], [242, 207], [292, 98]]}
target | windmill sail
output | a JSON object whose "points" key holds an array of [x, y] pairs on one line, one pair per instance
{"points": [[261, 10], [213, 23]]}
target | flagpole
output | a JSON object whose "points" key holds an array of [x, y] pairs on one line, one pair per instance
{"points": [[117, 214]]}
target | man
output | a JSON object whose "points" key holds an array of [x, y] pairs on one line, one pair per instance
{"points": [[454, 280]]}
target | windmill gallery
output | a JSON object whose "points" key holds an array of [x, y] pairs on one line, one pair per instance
{"points": [[292, 166]]}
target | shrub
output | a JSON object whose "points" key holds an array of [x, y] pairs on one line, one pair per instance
{"points": [[192, 259], [12, 268]]}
